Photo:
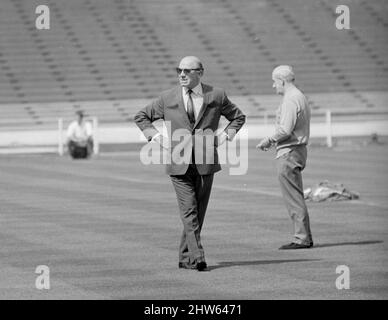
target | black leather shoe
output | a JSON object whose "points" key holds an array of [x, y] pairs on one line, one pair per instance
{"points": [[201, 265], [294, 245]]}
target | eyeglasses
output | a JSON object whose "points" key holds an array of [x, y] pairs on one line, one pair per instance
{"points": [[186, 71]]}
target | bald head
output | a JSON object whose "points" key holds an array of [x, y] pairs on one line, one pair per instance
{"points": [[190, 62], [283, 79], [284, 73], [190, 71]]}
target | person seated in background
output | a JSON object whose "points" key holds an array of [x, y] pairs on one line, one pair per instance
{"points": [[80, 137]]}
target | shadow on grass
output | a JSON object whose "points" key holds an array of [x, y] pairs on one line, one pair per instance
{"points": [[226, 264], [350, 243]]}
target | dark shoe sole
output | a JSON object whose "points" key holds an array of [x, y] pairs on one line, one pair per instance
{"points": [[295, 246]]}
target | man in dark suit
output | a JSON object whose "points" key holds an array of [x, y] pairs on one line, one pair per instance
{"points": [[191, 111]]}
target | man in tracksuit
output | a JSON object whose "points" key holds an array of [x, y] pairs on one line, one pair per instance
{"points": [[290, 138]]}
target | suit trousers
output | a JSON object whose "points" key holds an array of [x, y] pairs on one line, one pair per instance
{"points": [[193, 193], [290, 167]]}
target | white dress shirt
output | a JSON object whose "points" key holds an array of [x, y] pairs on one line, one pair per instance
{"points": [[79, 132]]}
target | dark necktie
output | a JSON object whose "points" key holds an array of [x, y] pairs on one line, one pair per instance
{"points": [[190, 107]]}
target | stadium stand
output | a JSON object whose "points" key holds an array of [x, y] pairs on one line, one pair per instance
{"points": [[110, 58]]}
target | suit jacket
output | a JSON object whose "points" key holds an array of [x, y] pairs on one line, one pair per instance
{"points": [[200, 136]]}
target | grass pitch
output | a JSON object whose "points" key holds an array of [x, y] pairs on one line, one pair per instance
{"points": [[109, 227]]}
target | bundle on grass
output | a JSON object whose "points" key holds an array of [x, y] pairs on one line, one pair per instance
{"points": [[326, 191]]}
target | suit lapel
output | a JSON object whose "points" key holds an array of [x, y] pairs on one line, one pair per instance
{"points": [[205, 91]]}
